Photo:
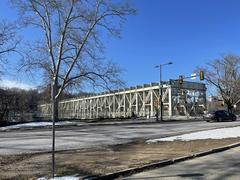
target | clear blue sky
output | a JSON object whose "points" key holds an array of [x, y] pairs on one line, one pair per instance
{"points": [[187, 32]]}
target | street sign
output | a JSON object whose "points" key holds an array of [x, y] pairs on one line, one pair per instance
{"points": [[193, 76]]}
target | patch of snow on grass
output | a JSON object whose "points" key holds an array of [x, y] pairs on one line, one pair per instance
{"points": [[61, 178], [36, 124], [222, 133], [65, 178]]}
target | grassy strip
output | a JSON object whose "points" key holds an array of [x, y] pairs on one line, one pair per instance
{"points": [[105, 160]]}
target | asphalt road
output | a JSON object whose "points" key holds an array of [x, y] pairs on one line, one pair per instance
{"points": [[39, 140], [223, 165]]}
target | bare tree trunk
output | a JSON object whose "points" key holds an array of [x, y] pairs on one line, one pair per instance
{"points": [[229, 107], [4, 114], [54, 119], [71, 43]]}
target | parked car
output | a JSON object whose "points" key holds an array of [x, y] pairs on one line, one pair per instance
{"points": [[219, 115]]}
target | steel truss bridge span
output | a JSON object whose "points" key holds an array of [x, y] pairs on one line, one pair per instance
{"points": [[188, 99]]}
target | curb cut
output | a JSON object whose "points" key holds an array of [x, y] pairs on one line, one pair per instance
{"points": [[160, 164]]}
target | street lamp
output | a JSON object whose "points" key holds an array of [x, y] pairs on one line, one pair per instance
{"points": [[160, 85]]}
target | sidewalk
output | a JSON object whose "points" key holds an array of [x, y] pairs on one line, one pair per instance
{"points": [[223, 165]]}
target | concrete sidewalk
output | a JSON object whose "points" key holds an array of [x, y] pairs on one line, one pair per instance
{"points": [[222, 165]]}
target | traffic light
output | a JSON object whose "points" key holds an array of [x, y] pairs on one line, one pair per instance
{"points": [[201, 75], [180, 80]]}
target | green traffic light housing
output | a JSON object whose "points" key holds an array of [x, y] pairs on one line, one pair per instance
{"points": [[201, 75], [180, 80]]}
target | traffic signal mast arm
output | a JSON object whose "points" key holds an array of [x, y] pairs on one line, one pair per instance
{"points": [[201, 75]]}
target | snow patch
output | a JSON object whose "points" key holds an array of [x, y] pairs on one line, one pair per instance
{"points": [[61, 178], [36, 124], [222, 133]]}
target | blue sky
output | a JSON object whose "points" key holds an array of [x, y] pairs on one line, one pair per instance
{"points": [[189, 33]]}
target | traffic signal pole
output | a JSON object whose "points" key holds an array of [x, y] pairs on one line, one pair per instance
{"points": [[161, 88], [161, 92]]}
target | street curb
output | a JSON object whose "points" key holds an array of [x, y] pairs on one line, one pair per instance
{"points": [[99, 124], [160, 164], [141, 122]]}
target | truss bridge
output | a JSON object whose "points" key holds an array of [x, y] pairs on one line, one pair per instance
{"points": [[188, 99]]}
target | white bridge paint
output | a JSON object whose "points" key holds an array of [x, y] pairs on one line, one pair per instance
{"points": [[188, 99]]}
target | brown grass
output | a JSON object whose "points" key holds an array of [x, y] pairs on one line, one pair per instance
{"points": [[101, 161]]}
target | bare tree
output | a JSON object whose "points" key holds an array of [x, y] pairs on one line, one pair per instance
{"points": [[71, 39], [8, 41], [14, 103], [224, 74], [5, 101], [72, 32]]}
